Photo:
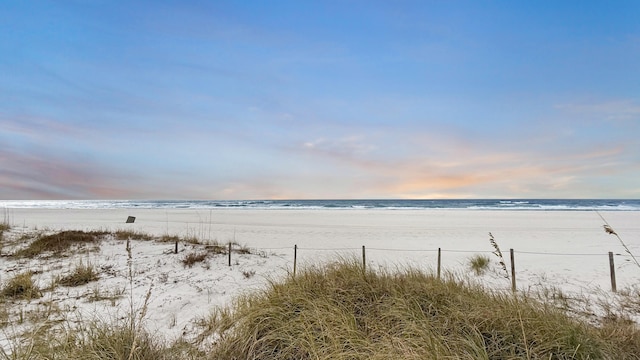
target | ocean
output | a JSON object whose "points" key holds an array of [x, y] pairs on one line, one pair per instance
{"points": [[469, 204]]}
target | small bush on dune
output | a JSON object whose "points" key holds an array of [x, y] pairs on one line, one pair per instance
{"points": [[339, 312], [21, 286], [193, 258], [82, 274], [479, 264]]}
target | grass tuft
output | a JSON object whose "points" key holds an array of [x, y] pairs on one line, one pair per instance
{"points": [[479, 264], [192, 258], [82, 274], [21, 286]]}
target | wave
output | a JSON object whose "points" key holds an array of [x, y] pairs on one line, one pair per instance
{"points": [[390, 204]]}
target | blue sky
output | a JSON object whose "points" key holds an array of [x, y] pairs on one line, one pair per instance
{"points": [[319, 99]]}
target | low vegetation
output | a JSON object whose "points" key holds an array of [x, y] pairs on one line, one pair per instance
{"points": [[57, 244], [194, 257], [337, 312], [21, 286], [132, 235], [479, 264], [4, 224], [82, 274]]}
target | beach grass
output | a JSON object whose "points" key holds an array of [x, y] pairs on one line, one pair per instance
{"points": [[339, 312], [58, 243], [479, 264], [194, 257], [21, 286], [82, 274], [5, 224], [132, 235]]}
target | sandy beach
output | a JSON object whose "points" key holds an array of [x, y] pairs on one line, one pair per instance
{"points": [[563, 249], [575, 240]]}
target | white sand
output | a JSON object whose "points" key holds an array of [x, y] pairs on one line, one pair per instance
{"points": [[564, 249]]}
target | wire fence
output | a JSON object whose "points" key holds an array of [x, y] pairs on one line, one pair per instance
{"points": [[512, 256]]}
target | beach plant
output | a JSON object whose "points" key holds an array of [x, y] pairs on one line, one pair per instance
{"points": [[609, 230], [193, 257], [21, 286], [82, 274], [337, 312], [216, 248], [5, 223], [479, 264], [248, 273], [243, 249], [57, 244], [498, 253], [132, 235], [169, 238]]}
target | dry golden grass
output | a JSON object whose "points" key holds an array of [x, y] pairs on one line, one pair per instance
{"points": [[57, 244], [194, 257], [479, 264], [82, 274], [337, 312], [132, 235], [21, 286]]}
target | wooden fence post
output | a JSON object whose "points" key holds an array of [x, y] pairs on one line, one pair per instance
{"points": [[439, 262], [295, 259], [612, 270], [364, 260], [229, 253], [175, 251], [513, 271]]}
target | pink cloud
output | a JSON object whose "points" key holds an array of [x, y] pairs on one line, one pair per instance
{"points": [[24, 175]]}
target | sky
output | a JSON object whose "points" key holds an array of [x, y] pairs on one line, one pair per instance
{"points": [[319, 99]]}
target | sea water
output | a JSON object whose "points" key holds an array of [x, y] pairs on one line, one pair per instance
{"points": [[394, 204]]}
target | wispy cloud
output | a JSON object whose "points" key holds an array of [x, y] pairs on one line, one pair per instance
{"points": [[29, 175], [613, 111]]}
